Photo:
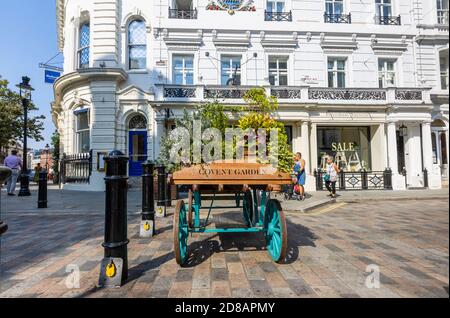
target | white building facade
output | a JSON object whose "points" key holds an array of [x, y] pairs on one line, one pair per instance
{"points": [[365, 81]]}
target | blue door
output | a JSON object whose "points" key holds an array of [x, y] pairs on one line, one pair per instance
{"points": [[137, 152]]}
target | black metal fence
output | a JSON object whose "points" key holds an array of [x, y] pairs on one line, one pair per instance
{"points": [[337, 18], [388, 20], [76, 168], [278, 16], [361, 180], [182, 14]]}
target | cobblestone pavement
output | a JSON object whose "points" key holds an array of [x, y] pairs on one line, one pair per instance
{"points": [[329, 251]]}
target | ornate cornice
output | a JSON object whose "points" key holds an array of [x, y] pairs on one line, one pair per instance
{"points": [[60, 20]]}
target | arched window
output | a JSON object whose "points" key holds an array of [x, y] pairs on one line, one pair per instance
{"points": [[83, 46], [138, 122], [137, 45], [82, 130]]}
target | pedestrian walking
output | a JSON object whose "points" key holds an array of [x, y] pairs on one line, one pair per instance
{"points": [[15, 164], [331, 176], [299, 170]]}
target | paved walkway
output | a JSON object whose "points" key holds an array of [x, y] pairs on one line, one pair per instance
{"points": [[330, 249], [77, 202]]}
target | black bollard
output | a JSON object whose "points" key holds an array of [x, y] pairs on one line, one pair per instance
{"points": [[114, 269], [162, 189], [148, 200], [42, 194]]}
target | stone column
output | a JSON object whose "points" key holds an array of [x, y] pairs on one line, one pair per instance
{"points": [[392, 147], [427, 147], [305, 145], [159, 133]]}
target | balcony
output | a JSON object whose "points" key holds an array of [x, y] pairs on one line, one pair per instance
{"points": [[388, 20], [337, 18], [295, 95], [278, 16], [182, 14]]}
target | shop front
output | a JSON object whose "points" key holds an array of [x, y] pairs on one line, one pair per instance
{"points": [[359, 154]]}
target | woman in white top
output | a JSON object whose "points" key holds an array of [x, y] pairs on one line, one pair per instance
{"points": [[331, 176]]}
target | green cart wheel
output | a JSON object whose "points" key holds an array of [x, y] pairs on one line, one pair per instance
{"points": [[247, 207], [275, 231], [180, 233]]}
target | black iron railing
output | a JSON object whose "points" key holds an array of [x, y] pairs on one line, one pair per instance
{"points": [[182, 14], [361, 180], [278, 16], [337, 18], [76, 168], [388, 20]]}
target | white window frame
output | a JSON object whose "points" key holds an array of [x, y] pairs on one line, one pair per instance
{"points": [[129, 45], [382, 4], [78, 131], [277, 75], [334, 2], [240, 72], [275, 6], [79, 48], [442, 74], [384, 72], [444, 11], [336, 71], [184, 72]]}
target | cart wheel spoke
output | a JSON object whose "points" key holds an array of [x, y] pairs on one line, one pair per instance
{"points": [[275, 227]]}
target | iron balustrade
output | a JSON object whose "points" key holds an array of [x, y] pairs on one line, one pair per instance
{"points": [[278, 16], [179, 92], [388, 20], [360, 180], [226, 92], [337, 18], [346, 94], [76, 168], [182, 14], [286, 92]]}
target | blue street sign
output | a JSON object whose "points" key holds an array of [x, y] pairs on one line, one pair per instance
{"points": [[51, 76]]}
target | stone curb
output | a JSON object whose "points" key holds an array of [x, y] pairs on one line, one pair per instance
{"points": [[361, 200]]}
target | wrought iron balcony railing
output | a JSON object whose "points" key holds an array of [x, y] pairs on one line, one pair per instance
{"points": [[278, 16], [76, 168], [337, 18], [182, 14], [388, 20], [294, 94]]}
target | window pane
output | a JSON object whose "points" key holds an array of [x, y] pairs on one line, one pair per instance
{"points": [[137, 33], [138, 57], [330, 79], [178, 78], [283, 80], [83, 121], [330, 64], [269, 6], [84, 35], [189, 62], [280, 6], [272, 79], [341, 79], [84, 144], [178, 63], [341, 64], [189, 78]]}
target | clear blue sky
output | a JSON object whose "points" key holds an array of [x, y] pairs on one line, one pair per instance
{"points": [[28, 37]]}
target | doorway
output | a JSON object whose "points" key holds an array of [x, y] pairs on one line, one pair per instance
{"points": [[137, 145]]}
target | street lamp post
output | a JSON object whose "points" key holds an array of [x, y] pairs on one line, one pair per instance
{"points": [[25, 96], [47, 151]]}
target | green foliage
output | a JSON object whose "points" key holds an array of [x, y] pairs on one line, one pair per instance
{"points": [[56, 153], [262, 115], [210, 115], [11, 117], [258, 114]]}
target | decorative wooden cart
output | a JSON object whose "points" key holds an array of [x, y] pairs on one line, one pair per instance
{"points": [[250, 183]]}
